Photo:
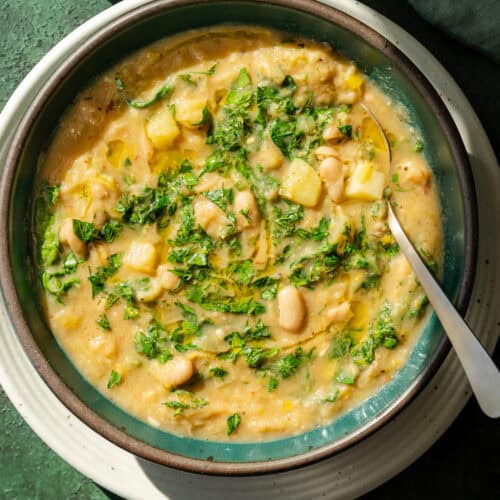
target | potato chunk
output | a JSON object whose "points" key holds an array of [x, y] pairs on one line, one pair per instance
{"points": [[365, 183], [141, 256], [301, 184], [162, 129], [269, 156], [188, 112]]}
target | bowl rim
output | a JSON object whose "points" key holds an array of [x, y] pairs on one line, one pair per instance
{"points": [[110, 431]]}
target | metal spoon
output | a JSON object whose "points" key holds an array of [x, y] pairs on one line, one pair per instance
{"points": [[483, 375]]}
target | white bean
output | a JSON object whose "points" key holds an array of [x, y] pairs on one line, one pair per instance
{"points": [[261, 255], [340, 313], [181, 370], [414, 173], [151, 291], [292, 309], [245, 208], [166, 278], [332, 133], [347, 96], [210, 217], [325, 152], [330, 170]]}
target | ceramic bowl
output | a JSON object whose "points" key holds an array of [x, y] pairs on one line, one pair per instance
{"points": [[384, 64]]}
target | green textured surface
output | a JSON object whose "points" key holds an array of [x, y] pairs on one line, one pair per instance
{"points": [[28, 468]]}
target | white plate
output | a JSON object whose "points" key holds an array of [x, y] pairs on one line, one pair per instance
{"points": [[346, 475]]}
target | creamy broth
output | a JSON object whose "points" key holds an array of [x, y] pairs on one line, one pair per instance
{"points": [[212, 237]]}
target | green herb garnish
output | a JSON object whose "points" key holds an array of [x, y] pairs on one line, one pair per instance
{"points": [[114, 379], [233, 422], [160, 94]]}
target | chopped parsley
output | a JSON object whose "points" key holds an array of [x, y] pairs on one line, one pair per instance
{"points": [[218, 372], [87, 232], [381, 332], [114, 379], [57, 284], [233, 422], [102, 273], [221, 197], [341, 345], [418, 147], [243, 272], [103, 322], [346, 130], [429, 260], [45, 224], [158, 96], [332, 397], [186, 404], [205, 119], [288, 365]]}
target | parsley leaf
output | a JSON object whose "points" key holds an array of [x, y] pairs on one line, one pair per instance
{"points": [[114, 379], [341, 346], [180, 406], [53, 282], [286, 219], [160, 94], [272, 384], [206, 117], [346, 130], [103, 322], [288, 365], [286, 136], [98, 279], [218, 372], [233, 422], [381, 332], [111, 230], [243, 272], [85, 231], [221, 197]]}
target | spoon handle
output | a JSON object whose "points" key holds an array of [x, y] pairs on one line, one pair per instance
{"points": [[482, 373]]}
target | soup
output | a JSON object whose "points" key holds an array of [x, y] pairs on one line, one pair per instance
{"points": [[212, 240]]}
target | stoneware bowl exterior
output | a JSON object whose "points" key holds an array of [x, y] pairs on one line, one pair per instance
{"points": [[382, 63]]}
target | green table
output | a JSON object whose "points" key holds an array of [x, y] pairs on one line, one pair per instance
{"points": [[458, 466]]}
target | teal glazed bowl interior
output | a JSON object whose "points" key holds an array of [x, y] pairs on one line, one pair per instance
{"points": [[391, 71]]}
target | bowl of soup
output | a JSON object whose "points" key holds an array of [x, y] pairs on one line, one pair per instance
{"points": [[197, 257]]}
